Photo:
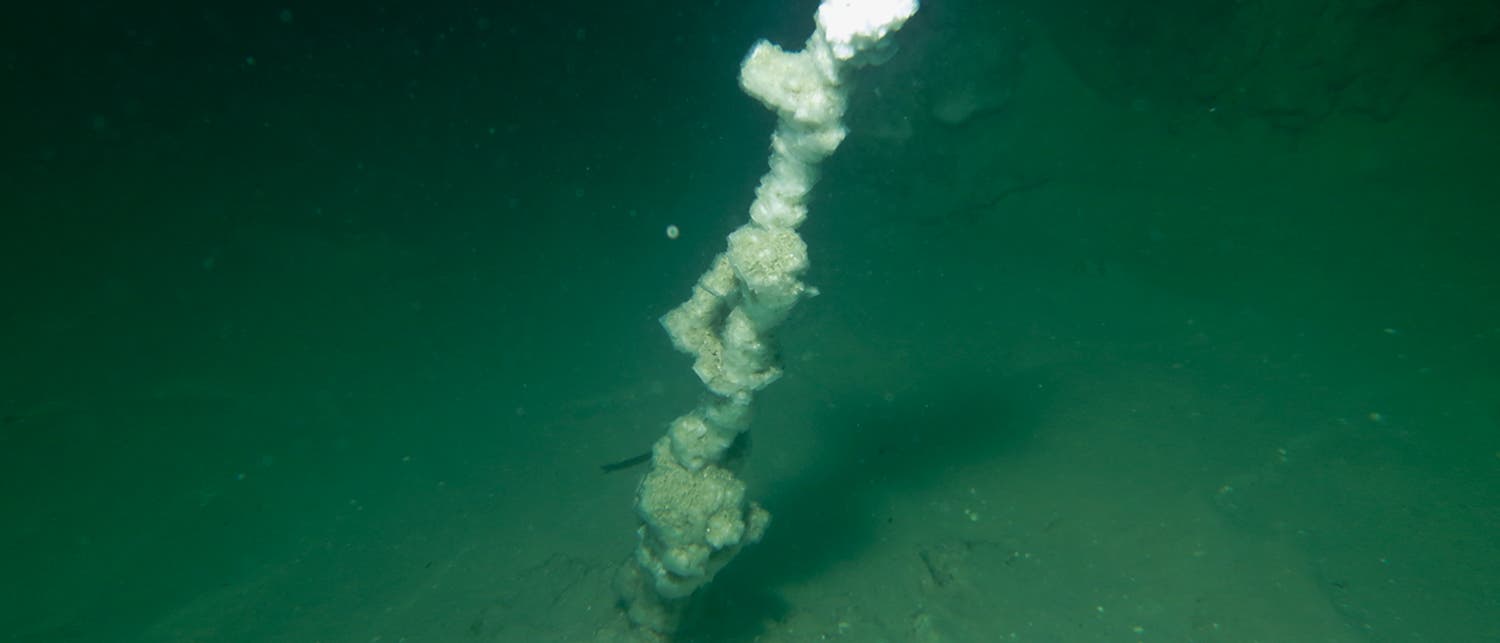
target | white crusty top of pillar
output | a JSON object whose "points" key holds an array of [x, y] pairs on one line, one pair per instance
{"points": [[852, 27]]}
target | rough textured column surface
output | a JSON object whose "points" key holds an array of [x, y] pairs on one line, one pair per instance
{"points": [[694, 516]]}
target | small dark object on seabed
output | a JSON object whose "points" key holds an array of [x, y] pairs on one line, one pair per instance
{"points": [[626, 463]]}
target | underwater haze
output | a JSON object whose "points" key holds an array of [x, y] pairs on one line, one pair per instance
{"points": [[1163, 321]]}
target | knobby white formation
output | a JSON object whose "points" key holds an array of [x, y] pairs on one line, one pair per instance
{"points": [[693, 511]]}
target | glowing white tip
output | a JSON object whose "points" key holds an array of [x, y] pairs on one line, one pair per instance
{"points": [[852, 26]]}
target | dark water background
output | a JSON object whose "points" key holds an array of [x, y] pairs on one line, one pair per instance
{"points": [[1176, 321]]}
